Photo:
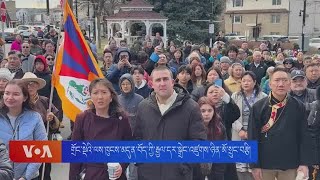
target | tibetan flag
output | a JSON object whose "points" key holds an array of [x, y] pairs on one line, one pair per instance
{"points": [[75, 68]]}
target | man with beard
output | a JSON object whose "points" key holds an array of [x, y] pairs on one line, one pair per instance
{"points": [[299, 88]]}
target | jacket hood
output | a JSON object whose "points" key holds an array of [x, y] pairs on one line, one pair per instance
{"points": [[42, 59], [116, 60], [130, 79], [182, 95]]}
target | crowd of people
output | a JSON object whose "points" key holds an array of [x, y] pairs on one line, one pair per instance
{"points": [[180, 93]]}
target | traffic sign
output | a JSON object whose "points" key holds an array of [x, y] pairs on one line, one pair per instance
{"points": [[46, 20], [211, 28]]}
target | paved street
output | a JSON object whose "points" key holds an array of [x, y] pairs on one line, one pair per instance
{"points": [[60, 171]]}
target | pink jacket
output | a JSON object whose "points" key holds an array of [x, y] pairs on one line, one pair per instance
{"points": [[16, 46]]}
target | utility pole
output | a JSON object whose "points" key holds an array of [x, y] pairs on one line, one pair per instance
{"points": [[76, 8], [88, 15], [303, 23], [94, 21], [48, 14]]}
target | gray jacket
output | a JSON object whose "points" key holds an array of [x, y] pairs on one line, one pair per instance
{"points": [[6, 171], [27, 63]]}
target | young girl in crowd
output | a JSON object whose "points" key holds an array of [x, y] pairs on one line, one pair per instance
{"points": [[215, 131], [198, 75]]}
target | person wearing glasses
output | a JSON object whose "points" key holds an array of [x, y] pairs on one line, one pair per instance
{"points": [[50, 61], [27, 59]]}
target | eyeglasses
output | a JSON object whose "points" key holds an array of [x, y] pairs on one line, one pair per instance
{"points": [[13, 58], [287, 63], [50, 59], [25, 46], [32, 84]]}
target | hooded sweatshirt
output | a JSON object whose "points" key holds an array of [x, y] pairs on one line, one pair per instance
{"points": [[129, 101], [143, 89], [114, 73], [45, 74]]}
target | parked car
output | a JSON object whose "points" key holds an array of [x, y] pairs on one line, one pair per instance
{"points": [[315, 43], [25, 30], [236, 38], [293, 39], [9, 37]]}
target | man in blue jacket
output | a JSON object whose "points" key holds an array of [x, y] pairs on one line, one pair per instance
{"points": [[122, 59]]}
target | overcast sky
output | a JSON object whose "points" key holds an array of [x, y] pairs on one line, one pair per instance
{"points": [[35, 3]]}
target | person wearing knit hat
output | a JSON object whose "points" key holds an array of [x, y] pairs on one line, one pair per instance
{"points": [[225, 64], [5, 77]]}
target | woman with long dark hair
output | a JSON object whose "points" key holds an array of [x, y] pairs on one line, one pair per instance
{"points": [[105, 120], [198, 75], [249, 94], [215, 131]]}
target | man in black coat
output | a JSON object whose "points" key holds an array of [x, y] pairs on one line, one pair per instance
{"points": [[279, 124], [168, 114], [257, 66]]}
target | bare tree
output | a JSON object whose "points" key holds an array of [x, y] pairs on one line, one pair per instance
{"points": [[103, 8]]}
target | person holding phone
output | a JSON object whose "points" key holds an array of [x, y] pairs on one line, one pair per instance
{"points": [[229, 113], [123, 59], [158, 58]]}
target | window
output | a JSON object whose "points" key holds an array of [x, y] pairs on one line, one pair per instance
{"points": [[276, 2], [237, 19], [274, 33], [275, 19], [237, 3]]}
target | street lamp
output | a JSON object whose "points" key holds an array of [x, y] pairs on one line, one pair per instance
{"points": [[303, 22]]}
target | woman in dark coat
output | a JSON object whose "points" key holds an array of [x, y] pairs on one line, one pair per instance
{"points": [[103, 121]]}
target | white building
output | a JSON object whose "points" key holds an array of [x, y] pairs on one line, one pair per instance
{"points": [[312, 22], [264, 17]]}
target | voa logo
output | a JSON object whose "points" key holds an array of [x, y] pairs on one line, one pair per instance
{"points": [[43, 152]]}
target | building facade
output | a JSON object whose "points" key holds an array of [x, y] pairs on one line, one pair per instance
{"points": [[253, 18], [312, 22]]}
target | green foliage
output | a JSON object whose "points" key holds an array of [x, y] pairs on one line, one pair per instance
{"points": [[181, 13]]}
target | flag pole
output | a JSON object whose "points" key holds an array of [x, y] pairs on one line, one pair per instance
{"points": [[4, 46], [52, 85]]}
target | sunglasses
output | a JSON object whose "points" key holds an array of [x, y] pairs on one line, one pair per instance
{"points": [[25, 46], [287, 63], [50, 59]]}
